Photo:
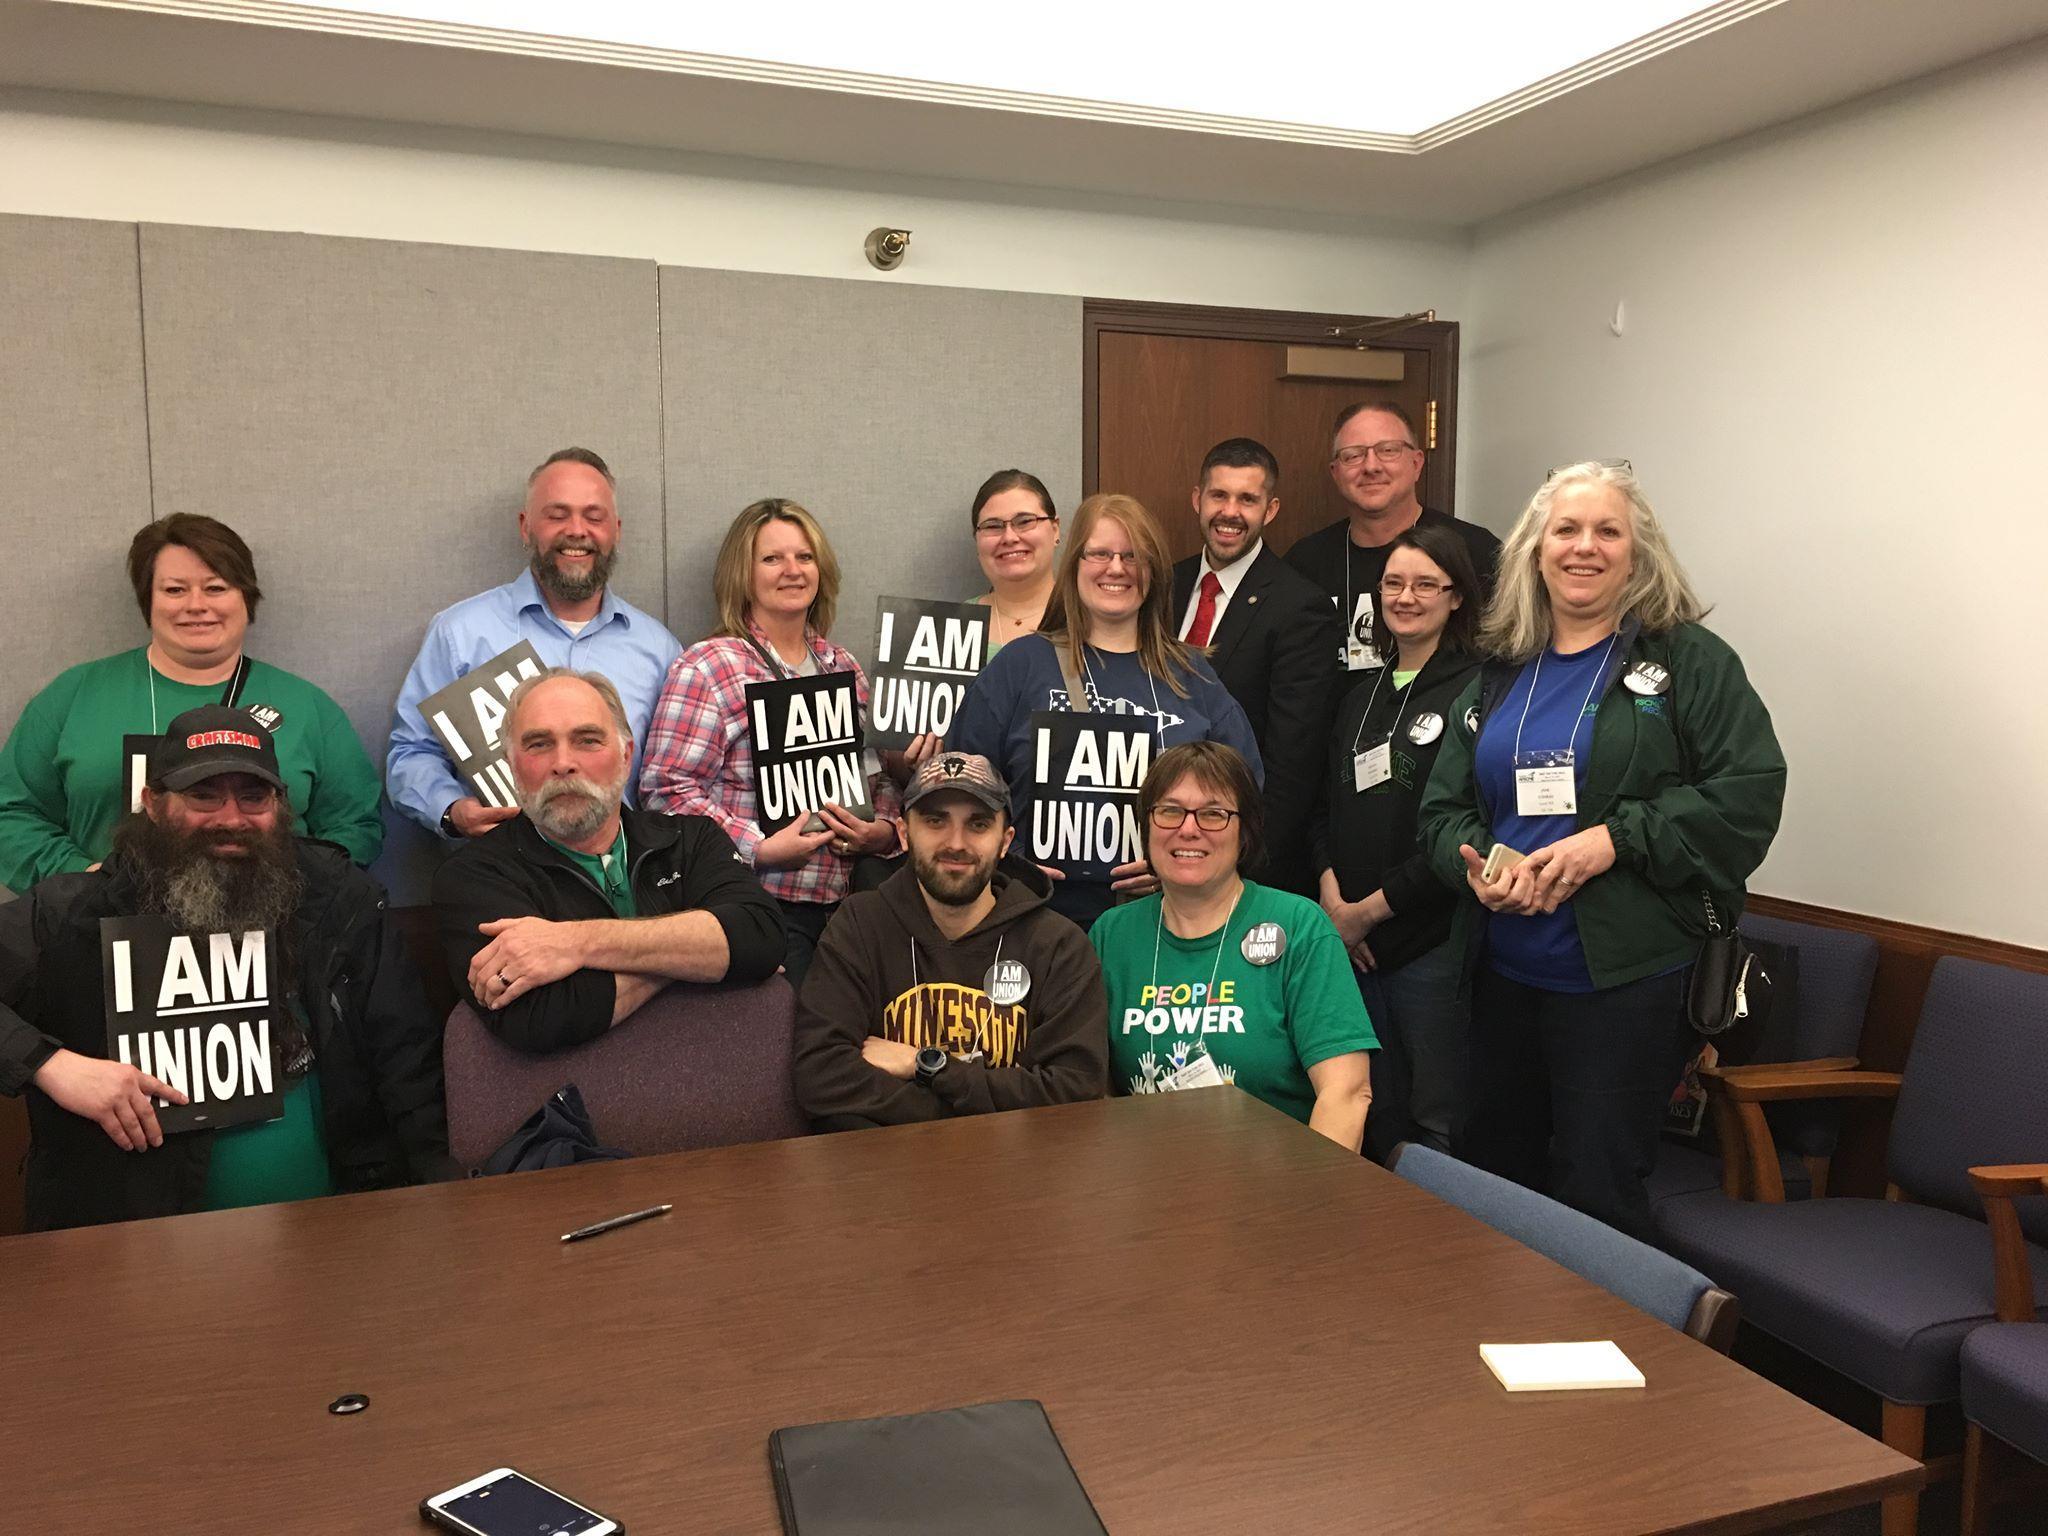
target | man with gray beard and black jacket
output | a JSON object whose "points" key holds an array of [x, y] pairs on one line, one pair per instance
{"points": [[358, 1053], [954, 989], [563, 921]]}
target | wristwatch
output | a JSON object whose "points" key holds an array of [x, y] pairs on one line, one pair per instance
{"points": [[931, 1061], [448, 827]]}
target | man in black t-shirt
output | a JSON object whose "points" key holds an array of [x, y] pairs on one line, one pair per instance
{"points": [[1375, 461]]}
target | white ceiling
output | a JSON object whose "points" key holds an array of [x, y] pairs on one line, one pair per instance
{"points": [[1306, 63], [1718, 73]]}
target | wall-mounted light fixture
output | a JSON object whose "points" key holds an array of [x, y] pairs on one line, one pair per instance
{"points": [[885, 248]]}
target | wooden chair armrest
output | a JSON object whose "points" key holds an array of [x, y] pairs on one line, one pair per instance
{"points": [[1770, 1088], [1791, 1068], [1997, 1184], [2010, 1179]]}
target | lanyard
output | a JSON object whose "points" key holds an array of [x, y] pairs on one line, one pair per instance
{"points": [[237, 680], [1222, 939], [776, 665], [1599, 672], [1373, 698]]}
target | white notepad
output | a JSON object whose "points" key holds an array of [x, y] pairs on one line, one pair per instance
{"points": [[1560, 1367]]}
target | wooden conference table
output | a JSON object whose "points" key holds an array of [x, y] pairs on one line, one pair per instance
{"points": [[1234, 1326]]}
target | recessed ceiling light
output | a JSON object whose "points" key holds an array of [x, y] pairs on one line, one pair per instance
{"points": [[1361, 68]]}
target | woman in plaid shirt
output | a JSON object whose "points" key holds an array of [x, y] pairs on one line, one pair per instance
{"points": [[777, 588]]}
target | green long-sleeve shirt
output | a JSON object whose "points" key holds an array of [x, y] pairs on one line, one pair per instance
{"points": [[61, 772]]}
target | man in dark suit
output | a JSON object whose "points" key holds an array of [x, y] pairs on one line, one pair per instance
{"points": [[1273, 638]]}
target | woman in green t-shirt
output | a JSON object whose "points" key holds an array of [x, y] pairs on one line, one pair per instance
{"points": [[65, 773], [1220, 980]]}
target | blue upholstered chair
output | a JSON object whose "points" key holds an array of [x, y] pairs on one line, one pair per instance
{"points": [[1654, 1282], [1835, 971], [1886, 1291], [2005, 1364], [694, 1067]]}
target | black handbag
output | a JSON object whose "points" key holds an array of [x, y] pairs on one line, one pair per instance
{"points": [[1731, 987]]}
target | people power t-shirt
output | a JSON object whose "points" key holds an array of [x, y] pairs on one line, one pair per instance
{"points": [[1282, 1000]]}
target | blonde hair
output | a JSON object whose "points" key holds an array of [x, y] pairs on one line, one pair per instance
{"points": [[1160, 652], [732, 578], [1517, 623]]}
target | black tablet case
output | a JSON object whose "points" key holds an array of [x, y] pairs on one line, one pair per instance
{"points": [[996, 1469]]}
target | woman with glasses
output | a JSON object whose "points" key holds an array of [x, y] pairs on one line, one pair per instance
{"points": [[1106, 645], [1016, 538], [1220, 980], [70, 769], [1392, 913], [1616, 775], [776, 584]]}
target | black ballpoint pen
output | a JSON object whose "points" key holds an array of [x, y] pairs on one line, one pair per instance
{"points": [[615, 1223]]}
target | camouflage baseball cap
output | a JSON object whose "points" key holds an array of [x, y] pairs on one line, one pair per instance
{"points": [[968, 772]]}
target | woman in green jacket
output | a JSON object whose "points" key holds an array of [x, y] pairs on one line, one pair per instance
{"points": [[1619, 746]]}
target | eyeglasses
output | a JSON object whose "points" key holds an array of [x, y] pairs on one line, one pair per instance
{"points": [[1621, 464], [1386, 453], [1424, 587], [1105, 556], [1210, 818], [251, 802], [1023, 522]]}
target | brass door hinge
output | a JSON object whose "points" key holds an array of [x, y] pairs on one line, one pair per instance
{"points": [[1431, 429]]}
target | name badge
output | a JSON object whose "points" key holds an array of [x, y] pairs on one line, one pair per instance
{"points": [[1373, 766], [1199, 1072], [135, 752], [1546, 791]]}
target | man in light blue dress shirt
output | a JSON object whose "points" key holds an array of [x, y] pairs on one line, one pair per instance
{"points": [[562, 603]]}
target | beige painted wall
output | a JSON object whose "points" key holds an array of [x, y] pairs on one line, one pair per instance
{"points": [[102, 158], [1831, 380]]}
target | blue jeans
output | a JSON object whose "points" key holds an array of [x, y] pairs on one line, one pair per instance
{"points": [[1569, 1089], [1418, 1080]]}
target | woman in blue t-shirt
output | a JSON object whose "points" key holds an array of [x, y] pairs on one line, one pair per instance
{"points": [[1106, 646], [1617, 744]]}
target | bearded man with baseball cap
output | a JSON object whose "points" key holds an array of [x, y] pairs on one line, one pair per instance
{"points": [[953, 989], [212, 851], [566, 919]]}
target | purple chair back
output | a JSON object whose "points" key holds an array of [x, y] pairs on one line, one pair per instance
{"points": [[696, 1067], [1976, 1086]]}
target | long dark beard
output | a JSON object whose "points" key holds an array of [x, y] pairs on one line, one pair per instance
{"points": [[573, 589], [177, 878]]}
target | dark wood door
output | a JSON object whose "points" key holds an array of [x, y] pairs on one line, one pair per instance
{"points": [[1160, 399]]}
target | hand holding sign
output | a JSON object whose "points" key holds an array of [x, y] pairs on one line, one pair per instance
{"points": [[111, 1094], [805, 736], [1086, 771]]}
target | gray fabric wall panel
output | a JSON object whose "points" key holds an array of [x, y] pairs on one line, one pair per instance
{"points": [[880, 407], [364, 412], [73, 446]]}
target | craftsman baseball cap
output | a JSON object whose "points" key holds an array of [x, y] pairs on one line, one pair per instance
{"points": [[968, 772], [211, 740]]}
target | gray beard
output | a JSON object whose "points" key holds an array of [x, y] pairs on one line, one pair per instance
{"points": [[569, 810], [201, 892], [572, 589]]}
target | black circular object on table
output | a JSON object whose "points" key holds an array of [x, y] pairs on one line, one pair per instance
{"points": [[347, 1403]]}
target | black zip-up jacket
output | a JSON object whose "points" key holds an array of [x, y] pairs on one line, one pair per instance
{"points": [[1371, 840], [674, 863], [376, 1043]]}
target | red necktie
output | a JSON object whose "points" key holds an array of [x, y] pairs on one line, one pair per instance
{"points": [[1205, 610]]}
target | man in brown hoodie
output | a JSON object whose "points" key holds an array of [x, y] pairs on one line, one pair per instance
{"points": [[953, 989]]}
